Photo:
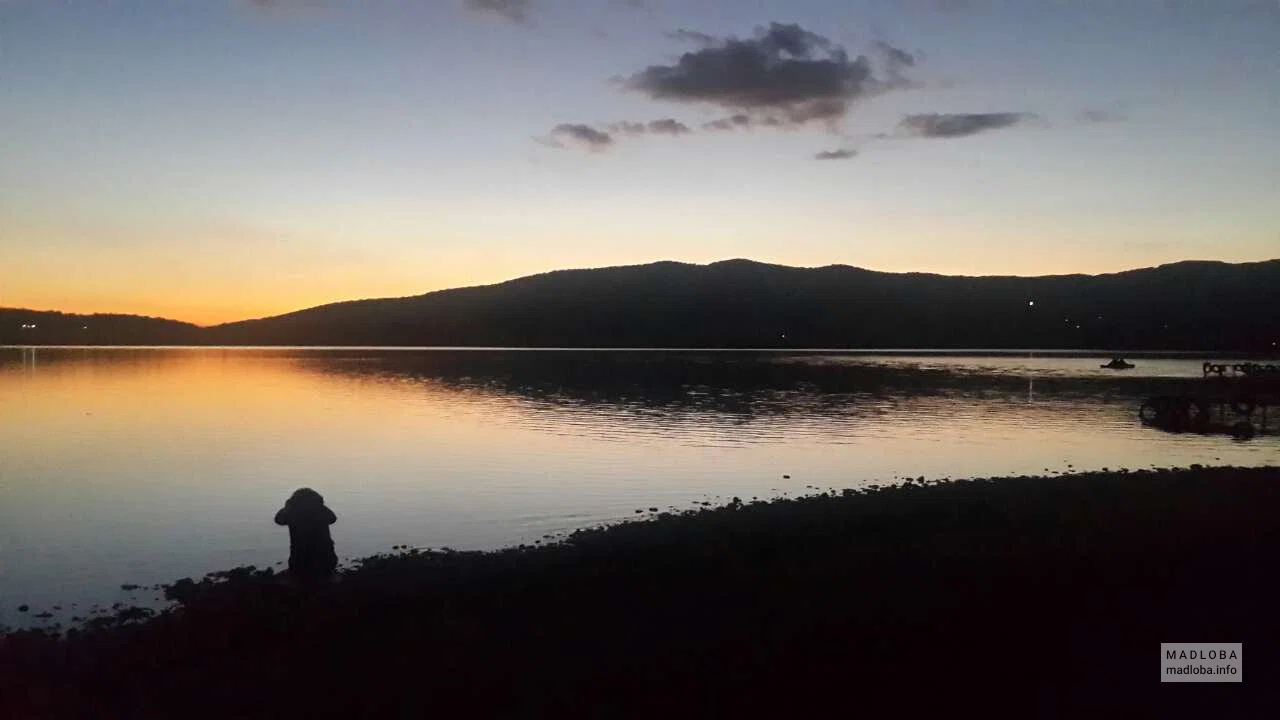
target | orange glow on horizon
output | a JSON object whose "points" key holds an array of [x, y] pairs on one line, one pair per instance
{"points": [[220, 297], [279, 300], [227, 270]]}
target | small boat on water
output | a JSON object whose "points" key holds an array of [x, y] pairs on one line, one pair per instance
{"points": [[1117, 364]]}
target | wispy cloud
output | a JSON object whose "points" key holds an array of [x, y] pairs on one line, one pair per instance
{"points": [[952, 5], [279, 7], [1095, 117], [515, 11], [954, 125], [693, 37], [596, 138], [733, 122], [743, 121], [581, 135], [897, 62], [666, 126]]}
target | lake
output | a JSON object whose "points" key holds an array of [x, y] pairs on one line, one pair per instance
{"points": [[141, 466]]}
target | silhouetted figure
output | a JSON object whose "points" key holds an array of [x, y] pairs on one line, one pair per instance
{"points": [[311, 554]]}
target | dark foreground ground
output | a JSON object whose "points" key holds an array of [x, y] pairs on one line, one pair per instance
{"points": [[1027, 596]]}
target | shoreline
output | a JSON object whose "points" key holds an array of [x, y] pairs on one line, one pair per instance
{"points": [[1065, 583], [1153, 353], [66, 618]]}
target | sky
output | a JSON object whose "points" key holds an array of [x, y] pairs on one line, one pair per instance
{"points": [[217, 160]]}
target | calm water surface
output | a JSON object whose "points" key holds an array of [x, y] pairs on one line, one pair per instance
{"points": [[142, 466]]}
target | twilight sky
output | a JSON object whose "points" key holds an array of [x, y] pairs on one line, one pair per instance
{"points": [[213, 160]]}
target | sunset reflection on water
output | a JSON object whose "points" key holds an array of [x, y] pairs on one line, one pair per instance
{"points": [[142, 466]]}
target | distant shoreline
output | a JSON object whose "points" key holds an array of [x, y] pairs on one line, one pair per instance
{"points": [[749, 305], [1071, 352]]}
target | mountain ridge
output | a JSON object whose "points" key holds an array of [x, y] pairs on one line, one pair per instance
{"points": [[1190, 304], [752, 263]]}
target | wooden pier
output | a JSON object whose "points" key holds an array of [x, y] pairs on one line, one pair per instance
{"points": [[1233, 399]]}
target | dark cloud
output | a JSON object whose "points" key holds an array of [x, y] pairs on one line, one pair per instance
{"points": [[952, 125], [627, 127], [785, 73], [898, 58], [516, 11], [897, 62], [666, 126], [1094, 117], [733, 122], [835, 155], [742, 121], [579, 134], [595, 139]]}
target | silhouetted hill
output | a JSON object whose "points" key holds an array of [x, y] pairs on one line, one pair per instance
{"points": [[55, 328], [739, 303]]}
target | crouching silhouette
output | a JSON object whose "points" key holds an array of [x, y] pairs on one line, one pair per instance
{"points": [[311, 554]]}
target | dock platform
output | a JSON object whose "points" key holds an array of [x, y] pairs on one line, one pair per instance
{"points": [[1234, 399]]}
